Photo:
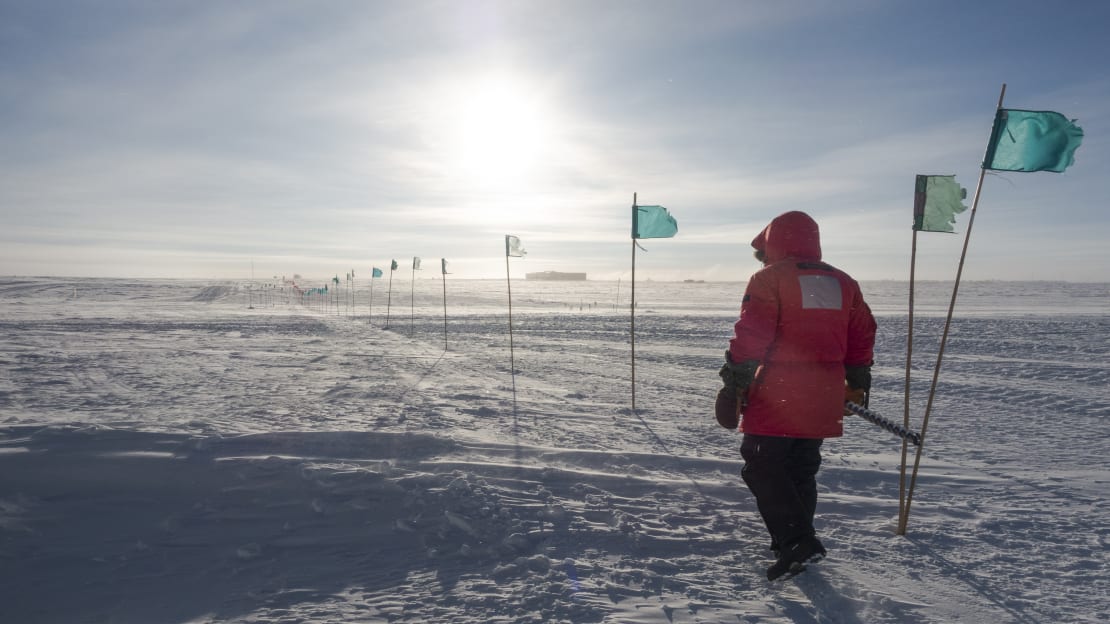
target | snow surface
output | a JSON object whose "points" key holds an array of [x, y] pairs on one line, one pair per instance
{"points": [[169, 454]]}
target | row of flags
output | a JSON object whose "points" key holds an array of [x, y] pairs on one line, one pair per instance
{"points": [[416, 261], [647, 222]]}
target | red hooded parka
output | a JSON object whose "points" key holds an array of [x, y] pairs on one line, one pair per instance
{"points": [[804, 321]]}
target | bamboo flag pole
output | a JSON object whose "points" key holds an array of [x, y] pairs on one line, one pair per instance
{"points": [[443, 263], [509, 286], [905, 516], [906, 398], [389, 293], [412, 297], [370, 317], [632, 306], [647, 222]]}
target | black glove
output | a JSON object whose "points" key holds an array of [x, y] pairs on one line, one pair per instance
{"points": [[738, 376], [725, 408], [858, 379]]}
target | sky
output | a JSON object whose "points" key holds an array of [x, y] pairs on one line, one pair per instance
{"points": [[246, 140]]}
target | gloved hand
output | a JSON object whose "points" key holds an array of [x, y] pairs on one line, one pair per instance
{"points": [[738, 376], [733, 397], [728, 416], [858, 377], [857, 385]]}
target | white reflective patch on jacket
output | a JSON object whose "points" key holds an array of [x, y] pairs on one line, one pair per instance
{"points": [[820, 292]]}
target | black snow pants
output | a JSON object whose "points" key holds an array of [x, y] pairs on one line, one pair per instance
{"points": [[781, 473]]}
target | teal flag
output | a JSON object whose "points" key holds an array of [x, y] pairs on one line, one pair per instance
{"points": [[936, 202], [652, 222], [513, 247], [376, 272], [1032, 141]]}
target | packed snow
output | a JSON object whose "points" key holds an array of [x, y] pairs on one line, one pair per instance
{"points": [[176, 451]]}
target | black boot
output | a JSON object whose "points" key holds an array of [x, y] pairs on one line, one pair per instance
{"points": [[793, 559]]}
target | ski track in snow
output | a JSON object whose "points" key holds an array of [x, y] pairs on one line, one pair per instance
{"points": [[167, 455]]}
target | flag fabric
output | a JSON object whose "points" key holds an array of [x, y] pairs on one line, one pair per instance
{"points": [[443, 263], [1032, 141], [393, 265], [336, 278], [415, 263], [513, 248], [376, 272], [652, 222], [937, 200]]}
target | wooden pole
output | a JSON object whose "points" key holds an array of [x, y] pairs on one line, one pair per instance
{"points": [[632, 305], [509, 285], [389, 295], [904, 520], [443, 266], [906, 394]]}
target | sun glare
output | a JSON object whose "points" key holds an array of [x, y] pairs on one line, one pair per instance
{"points": [[501, 132]]}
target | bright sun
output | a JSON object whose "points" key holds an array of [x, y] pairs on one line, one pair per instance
{"points": [[500, 134]]}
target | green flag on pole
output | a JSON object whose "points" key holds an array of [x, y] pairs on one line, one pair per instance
{"points": [[652, 222], [936, 201], [376, 272], [1032, 141]]}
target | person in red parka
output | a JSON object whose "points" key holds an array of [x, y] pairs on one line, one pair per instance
{"points": [[802, 346]]}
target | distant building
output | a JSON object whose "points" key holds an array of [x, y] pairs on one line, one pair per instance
{"points": [[556, 276]]}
